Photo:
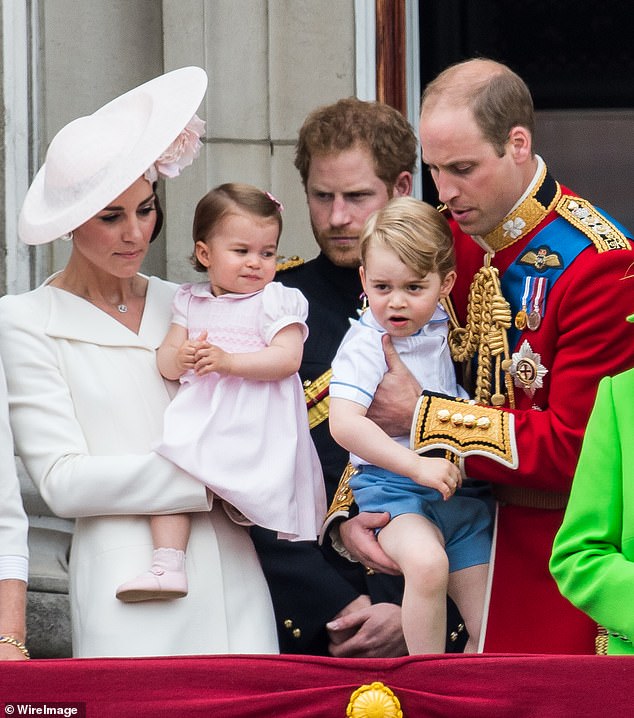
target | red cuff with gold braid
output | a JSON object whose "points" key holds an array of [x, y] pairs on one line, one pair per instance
{"points": [[464, 428]]}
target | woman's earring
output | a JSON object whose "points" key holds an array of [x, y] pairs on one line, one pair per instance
{"points": [[67, 237]]}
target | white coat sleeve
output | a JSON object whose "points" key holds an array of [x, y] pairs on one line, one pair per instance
{"points": [[13, 522], [53, 447]]}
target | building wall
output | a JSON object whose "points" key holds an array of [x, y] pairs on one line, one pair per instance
{"points": [[590, 151], [90, 52], [269, 63]]}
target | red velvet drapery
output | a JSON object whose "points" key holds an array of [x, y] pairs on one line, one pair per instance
{"points": [[483, 686]]}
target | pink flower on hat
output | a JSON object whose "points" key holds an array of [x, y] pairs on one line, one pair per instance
{"points": [[180, 154]]}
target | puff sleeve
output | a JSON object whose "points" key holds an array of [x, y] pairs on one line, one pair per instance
{"points": [[282, 306]]}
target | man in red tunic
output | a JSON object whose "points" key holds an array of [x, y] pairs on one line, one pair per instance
{"points": [[542, 279]]}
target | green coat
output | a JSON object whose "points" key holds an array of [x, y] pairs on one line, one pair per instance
{"points": [[593, 552]]}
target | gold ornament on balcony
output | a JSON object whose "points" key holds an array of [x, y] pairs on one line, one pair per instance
{"points": [[374, 701]]}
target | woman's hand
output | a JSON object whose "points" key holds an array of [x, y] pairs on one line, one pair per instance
{"points": [[396, 396], [12, 618]]}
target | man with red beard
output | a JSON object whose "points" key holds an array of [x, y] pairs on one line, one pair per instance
{"points": [[353, 156]]}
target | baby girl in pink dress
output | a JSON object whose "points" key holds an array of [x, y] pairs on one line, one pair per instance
{"points": [[238, 422]]}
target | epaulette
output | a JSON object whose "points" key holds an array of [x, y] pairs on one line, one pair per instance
{"points": [[288, 263], [589, 220]]}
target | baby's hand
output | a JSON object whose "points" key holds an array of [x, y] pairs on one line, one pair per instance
{"points": [[212, 358], [438, 474], [186, 354]]}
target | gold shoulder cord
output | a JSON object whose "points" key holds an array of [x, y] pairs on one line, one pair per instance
{"points": [[485, 332]]}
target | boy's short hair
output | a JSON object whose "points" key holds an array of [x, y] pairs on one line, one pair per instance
{"points": [[418, 234]]}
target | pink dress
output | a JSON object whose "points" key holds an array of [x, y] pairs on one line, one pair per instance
{"points": [[247, 440]]}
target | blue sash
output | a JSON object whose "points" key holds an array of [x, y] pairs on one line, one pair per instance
{"points": [[560, 238]]}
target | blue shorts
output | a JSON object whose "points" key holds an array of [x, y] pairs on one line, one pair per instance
{"points": [[465, 522]]}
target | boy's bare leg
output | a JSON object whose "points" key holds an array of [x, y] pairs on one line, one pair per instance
{"points": [[467, 588], [416, 545]]}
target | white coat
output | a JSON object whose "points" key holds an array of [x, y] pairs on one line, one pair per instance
{"points": [[86, 404], [14, 551]]}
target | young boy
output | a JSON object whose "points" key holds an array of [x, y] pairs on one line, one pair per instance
{"points": [[441, 544]]}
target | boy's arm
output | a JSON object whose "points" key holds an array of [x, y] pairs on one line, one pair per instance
{"points": [[351, 428]]}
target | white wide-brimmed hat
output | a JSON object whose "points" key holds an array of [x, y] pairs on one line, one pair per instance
{"points": [[93, 159]]}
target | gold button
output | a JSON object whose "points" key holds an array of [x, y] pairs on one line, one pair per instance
{"points": [[288, 623], [443, 415], [297, 633], [469, 420], [483, 422], [456, 419]]}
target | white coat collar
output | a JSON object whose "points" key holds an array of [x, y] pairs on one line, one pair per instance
{"points": [[74, 318]]}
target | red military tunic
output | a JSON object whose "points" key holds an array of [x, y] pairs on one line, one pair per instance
{"points": [[582, 337]]}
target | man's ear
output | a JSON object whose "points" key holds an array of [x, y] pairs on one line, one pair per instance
{"points": [[520, 144], [403, 185], [202, 253]]}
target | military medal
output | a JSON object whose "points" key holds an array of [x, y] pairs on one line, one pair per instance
{"points": [[364, 304], [538, 300], [521, 316], [533, 320], [520, 320], [533, 296], [542, 259], [527, 369]]}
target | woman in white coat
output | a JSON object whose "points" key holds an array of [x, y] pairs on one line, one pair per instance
{"points": [[86, 398]]}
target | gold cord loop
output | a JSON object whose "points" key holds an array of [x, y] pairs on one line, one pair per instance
{"points": [[485, 332]]}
